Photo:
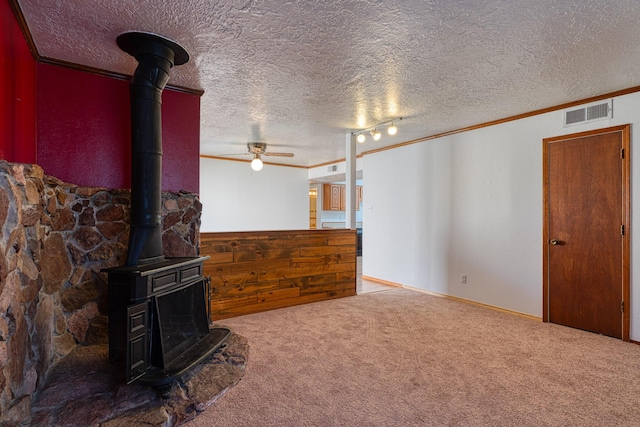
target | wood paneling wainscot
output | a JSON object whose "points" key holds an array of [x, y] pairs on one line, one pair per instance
{"points": [[263, 270]]}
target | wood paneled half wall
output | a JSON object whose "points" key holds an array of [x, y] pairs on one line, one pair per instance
{"points": [[262, 270]]}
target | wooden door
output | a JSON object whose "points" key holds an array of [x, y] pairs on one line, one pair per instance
{"points": [[586, 241]]}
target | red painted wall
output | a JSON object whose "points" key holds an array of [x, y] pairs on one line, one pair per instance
{"points": [[84, 131], [83, 127], [75, 124], [180, 141], [17, 91]]}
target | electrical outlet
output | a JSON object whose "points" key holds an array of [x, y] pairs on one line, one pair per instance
{"points": [[463, 278]]}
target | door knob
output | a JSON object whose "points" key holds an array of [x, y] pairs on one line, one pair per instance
{"points": [[555, 242]]}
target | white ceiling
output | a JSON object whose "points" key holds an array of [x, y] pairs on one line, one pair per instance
{"points": [[299, 75]]}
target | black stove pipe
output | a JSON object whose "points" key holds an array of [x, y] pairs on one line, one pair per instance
{"points": [[155, 55]]}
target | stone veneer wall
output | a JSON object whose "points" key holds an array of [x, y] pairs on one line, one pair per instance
{"points": [[54, 240]]}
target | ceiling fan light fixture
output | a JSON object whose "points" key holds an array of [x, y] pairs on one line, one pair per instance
{"points": [[360, 138], [256, 164]]}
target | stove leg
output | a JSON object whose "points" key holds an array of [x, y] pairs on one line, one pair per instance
{"points": [[164, 390]]}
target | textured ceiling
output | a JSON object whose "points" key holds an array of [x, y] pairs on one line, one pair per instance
{"points": [[299, 75]]}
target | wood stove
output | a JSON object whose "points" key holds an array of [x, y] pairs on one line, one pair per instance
{"points": [[158, 307], [158, 319]]}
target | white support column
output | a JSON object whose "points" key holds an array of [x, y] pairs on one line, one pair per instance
{"points": [[350, 209]]}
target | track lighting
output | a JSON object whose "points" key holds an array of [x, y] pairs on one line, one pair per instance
{"points": [[256, 163], [375, 133]]}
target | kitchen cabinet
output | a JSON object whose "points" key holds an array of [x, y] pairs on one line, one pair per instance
{"points": [[335, 197], [331, 197], [312, 212]]}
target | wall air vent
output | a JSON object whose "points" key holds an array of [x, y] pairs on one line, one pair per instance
{"points": [[332, 168], [589, 113]]}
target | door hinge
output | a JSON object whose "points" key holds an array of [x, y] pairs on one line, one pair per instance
{"points": [[622, 153], [622, 306], [622, 230]]}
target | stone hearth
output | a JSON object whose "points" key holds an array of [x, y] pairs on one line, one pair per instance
{"points": [[55, 238], [83, 390]]}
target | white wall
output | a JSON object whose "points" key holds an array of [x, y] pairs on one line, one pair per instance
{"points": [[341, 167], [471, 203], [235, 198]]}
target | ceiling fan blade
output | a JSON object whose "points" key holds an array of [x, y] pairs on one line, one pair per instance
{"points": [[233, 154], [268, 153]]}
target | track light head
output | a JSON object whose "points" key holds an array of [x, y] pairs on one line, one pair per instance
{"points": [[361, 135]]}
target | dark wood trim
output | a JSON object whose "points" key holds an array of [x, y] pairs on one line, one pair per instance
{"points": [[625, 130], [334, 162], [627, 91], [626, 248], [463, 300], [15, 6], [17, 11], [112, 74], [86, 68], [510, 118], [328, 163], [545, 230], [382, 282]]}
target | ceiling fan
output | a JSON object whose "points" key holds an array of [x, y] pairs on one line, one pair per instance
{"points": [[257, 149]]}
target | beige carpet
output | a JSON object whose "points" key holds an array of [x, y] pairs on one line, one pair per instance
{"points": [[402, 358]]}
